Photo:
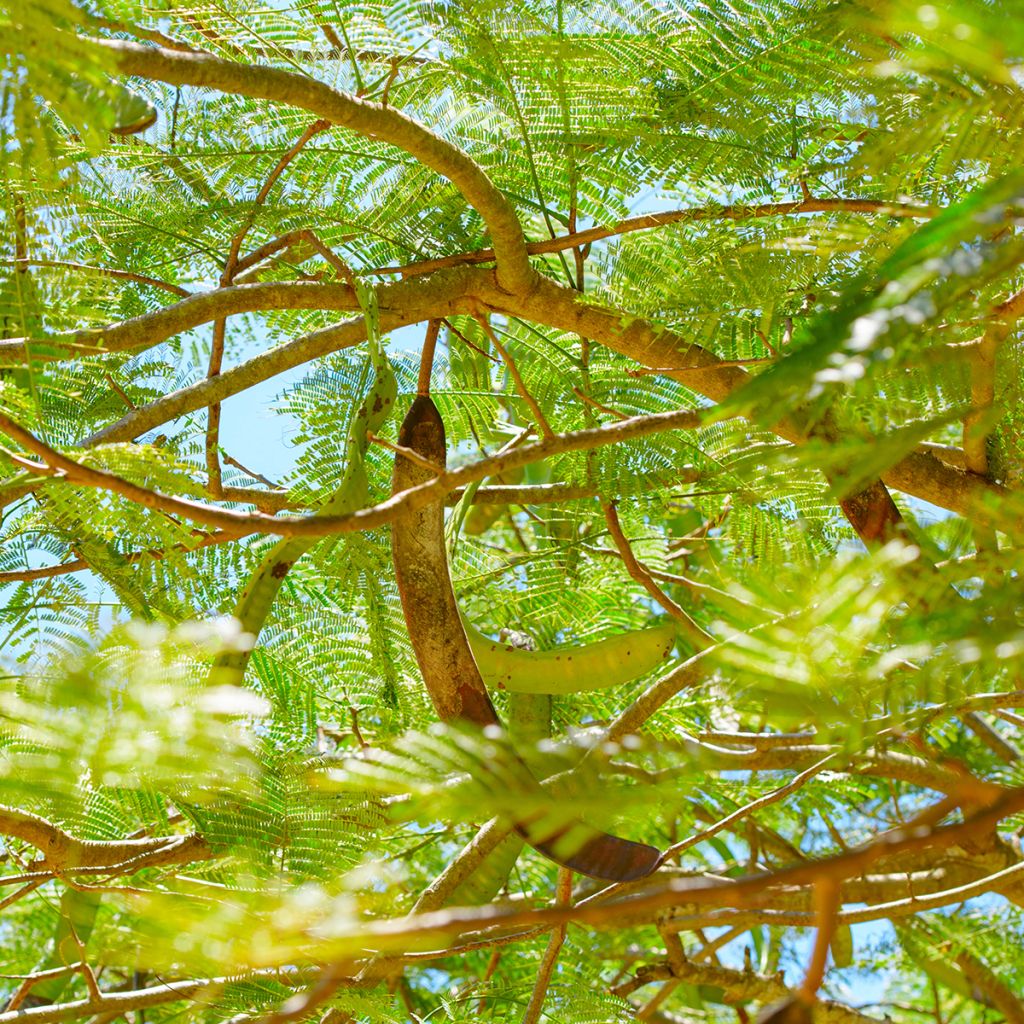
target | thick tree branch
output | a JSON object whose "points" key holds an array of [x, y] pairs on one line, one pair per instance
{"points": [[149, 329], [62, 851], [371, 120], [499, 494]]}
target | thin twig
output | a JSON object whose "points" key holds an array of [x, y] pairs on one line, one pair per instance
{"points": [[408, 453], [656, 220], [709, 950], [469, 344], [992, 738], [584, 397], [30, 886], [245, 469], [396, 63], [524, 392], [287, 241], [95, 995], [754, 805], [638, 572], [120, 275], [563, 898], [647, 1011]]}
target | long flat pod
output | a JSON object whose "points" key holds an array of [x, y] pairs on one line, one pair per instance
{"points": [[595, 666], [446, 662], [256, 600]]}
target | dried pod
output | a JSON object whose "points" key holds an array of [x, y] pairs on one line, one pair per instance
{"points": [[446, 661]]}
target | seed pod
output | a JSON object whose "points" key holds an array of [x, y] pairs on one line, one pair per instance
{"points": [[446, 662], [256, 600], [425, 586], [842, 946], [596, 666], [480, 518]]}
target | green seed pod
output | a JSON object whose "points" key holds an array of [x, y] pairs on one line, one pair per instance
{"points": [[842, 946], [480, 518], [257, 599], [596, 666]]}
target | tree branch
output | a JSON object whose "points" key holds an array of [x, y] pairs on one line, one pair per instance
{"points": [[1003, 997], [715, 892], [650, 344], [919, 473], [983, 366], [149, 329], [63, 852], [241, 524], [747, 809], [563, 898], [738, 986], [371, 120], [697, 636], [119, 275], [117, 1003], [400, 305]]}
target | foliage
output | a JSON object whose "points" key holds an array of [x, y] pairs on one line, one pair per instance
{"points": [[827, 278]]}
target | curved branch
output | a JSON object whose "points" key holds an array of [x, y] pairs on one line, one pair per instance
{"points": [[919, 473], [149, 329], [368, 119], [266, 501], [44, 572], [62, 851], [240, 524]]}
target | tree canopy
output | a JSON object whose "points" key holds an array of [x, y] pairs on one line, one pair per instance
{"points": [[718, 305]]}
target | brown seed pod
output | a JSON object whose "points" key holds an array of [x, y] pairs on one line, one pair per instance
{"points": [[446, 660]]}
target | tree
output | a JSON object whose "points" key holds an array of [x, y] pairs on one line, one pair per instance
{"points": [[718, 303]]}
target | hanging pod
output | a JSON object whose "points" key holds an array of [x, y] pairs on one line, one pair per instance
{"points": [[446, 660]]}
